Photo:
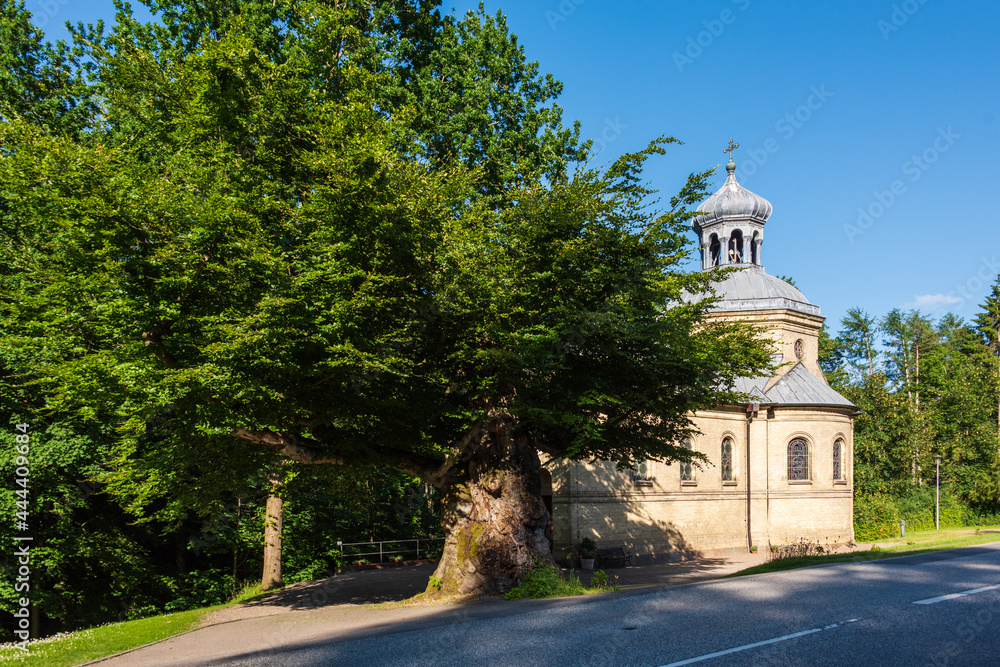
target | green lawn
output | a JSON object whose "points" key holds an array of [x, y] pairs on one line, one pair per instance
{"points": [[915, 543], [83, 645], [72, 648]]}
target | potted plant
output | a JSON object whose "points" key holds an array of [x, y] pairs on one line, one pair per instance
{"points": [[587, 552], [753, 548]]}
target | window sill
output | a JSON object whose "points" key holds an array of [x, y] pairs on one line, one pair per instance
{"points": [[840, 482], [644, 482], [730, 483], [807, 482], [688, 482]]}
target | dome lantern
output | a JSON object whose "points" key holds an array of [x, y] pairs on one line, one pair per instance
{"points": [[730, 223]]}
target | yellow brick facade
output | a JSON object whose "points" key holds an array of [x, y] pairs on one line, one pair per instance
{"points": [[760, 506]]}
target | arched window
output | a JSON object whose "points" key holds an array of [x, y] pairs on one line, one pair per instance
{"points": [[798, 460], [727, 460], [736, 247], [686, 472], [715, 250], [754, 247], [838, 460]]}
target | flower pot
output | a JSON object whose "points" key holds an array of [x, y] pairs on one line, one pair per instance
{"points": [[586, 563]]}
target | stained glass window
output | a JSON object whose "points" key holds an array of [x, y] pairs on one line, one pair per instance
{"points": [[686, 472], [641, 471], [838, 460], [798, 460], [727, 460]]}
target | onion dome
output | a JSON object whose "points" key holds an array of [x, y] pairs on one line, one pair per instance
{"points": [[732, 202]]}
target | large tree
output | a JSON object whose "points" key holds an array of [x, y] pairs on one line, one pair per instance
{"points": [[249, 259], [988, 325]]}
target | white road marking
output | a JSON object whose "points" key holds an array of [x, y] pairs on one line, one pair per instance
{"points": [[747, 647], [952, 596]]}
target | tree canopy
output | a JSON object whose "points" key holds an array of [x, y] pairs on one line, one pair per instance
{"points": [[271, 242]]}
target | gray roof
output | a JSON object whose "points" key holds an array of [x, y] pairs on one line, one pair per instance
{"points": [[753, 386], [800, 387], [751, 288], [732, 202]]}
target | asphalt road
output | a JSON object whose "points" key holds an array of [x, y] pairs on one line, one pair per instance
{"points": [[888, 612]]}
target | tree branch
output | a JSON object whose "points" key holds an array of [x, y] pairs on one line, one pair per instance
{"points": [[309, 451]]}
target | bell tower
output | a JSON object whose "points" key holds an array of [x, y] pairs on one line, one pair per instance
{"points": [[730, 223]]}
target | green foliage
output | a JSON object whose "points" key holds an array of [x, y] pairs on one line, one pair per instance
{"points": [[937, 396], [197, 589], [875, 517], [600, 581], [883, 437], [542, 580], [588, 548], [336, 233], [224, 259], [917, 509], [45, 85], [857, 343]]}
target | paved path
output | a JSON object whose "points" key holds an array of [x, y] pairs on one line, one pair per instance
{"points": [[338, 609]]}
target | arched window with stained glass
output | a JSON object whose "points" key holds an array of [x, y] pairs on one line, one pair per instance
{"points": [[798, 460], [838, 461], [727, 460], [687, 475]]}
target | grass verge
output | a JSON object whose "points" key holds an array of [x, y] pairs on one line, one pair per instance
{"points": [[73, 648], [916, 543]]}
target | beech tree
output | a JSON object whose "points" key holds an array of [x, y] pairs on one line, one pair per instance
{"points": [[249, 258]]}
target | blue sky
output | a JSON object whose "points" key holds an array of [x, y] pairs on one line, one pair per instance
{"points": [[872, 126]]}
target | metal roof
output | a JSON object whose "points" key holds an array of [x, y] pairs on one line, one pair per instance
{"points": [[800, 387], [750, 288], [732, 202]]}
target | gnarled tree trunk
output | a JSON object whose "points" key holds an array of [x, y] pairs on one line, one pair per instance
{"points": [[493, 517]]}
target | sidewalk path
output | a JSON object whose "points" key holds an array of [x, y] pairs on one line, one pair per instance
{"points": [[322, 611]]}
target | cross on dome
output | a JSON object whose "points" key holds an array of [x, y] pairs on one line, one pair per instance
{"points": [[730, 148]]}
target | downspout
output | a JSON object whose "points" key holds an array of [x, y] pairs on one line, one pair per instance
{"points": [[752, 410], [749, 538]]}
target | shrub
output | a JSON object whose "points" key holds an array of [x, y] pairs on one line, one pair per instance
{"points": [[917, 509], [543, 581], [588, 548], [876, 517], [601, 582]]}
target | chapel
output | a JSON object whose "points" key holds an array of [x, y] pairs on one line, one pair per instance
{"points": [[780, 466]]}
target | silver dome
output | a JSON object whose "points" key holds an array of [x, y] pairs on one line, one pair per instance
{"points": [[732, 202], [751, 288]]}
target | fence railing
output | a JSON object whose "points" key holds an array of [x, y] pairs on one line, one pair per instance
{"points": [[427, 545]]}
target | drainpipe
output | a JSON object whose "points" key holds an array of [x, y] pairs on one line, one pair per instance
{"points": [[752, 410]]}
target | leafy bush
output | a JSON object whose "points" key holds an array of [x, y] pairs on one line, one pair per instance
{"points": [[601, 582], [543, 581], [201, 589], [588, 548], [917, 509], [876, 517]]}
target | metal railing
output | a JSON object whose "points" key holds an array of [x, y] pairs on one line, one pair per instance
{"points": [[382, 552]]}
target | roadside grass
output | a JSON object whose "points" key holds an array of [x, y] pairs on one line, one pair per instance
{"points": [[914, 543], [72, 648]]}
